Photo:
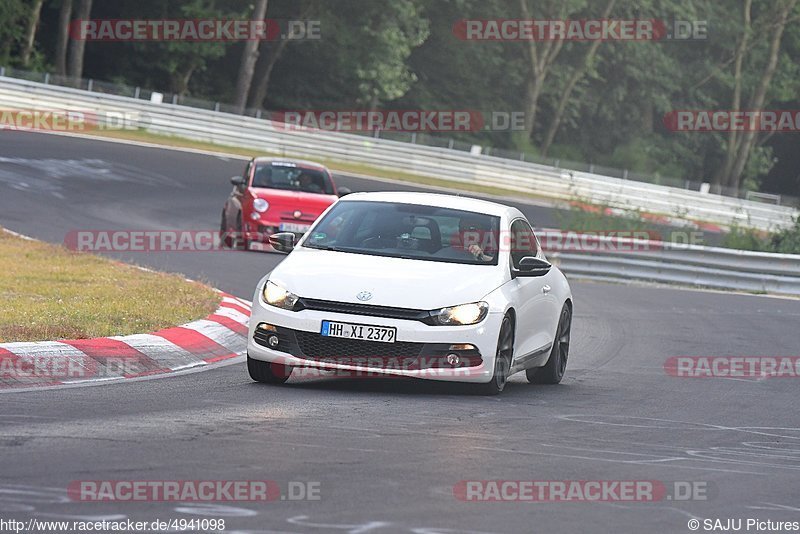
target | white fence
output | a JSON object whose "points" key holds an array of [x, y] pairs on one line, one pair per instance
{"points": [[605, 257], [441, 163]]}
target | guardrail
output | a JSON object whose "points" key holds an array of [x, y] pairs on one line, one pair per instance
{"points": [[441, 163], [615, 258]]}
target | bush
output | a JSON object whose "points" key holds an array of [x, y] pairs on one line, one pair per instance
{"points": [[786, 240]]}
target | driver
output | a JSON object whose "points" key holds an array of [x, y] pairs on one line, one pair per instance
{"points": [[473, 230], [308, 184]]}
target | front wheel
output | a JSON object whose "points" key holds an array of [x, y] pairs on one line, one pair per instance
{"points": [[268, 372], [553, 371], [502, 360], [224, 233]]}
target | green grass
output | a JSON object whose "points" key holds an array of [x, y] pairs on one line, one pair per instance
{"points": [[785, 241], [48, 292]]}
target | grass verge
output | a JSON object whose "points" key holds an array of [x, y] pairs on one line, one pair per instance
{"points": [[48, 292]]}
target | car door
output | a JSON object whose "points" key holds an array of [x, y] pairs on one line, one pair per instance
{"points": [[535, 302]]}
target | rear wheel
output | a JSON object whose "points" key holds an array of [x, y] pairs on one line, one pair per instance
{"points": [[556, 365], [268, 372], [240, 240], [502, 360]]}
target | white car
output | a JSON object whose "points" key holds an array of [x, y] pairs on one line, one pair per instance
{"points": [[413, 284]]}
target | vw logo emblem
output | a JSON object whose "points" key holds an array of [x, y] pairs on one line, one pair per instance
{"points": [[297, 214], [364, 295]]}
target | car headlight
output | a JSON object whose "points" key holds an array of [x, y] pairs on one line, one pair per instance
{"points": [[463, 314], [277, 296], [260, 205]]}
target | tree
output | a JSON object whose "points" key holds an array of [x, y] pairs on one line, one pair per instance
{"points": [[782, 11], [390, 32], [30, 34], [267, 61], [541, 56], [77, 47], [62, 42], [248, 61], [578, 73], [13, 18]]}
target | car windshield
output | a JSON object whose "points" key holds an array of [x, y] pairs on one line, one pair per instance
{"points": [[408, 231], [278, 175]]}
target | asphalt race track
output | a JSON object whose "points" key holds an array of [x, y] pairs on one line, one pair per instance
{"points": [[386, 454]]}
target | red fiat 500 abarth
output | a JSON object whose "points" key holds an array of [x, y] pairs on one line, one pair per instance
{"points": [[276, 195]]}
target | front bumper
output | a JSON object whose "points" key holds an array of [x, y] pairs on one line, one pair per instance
{"points": [[259, 230], [419, 351]]}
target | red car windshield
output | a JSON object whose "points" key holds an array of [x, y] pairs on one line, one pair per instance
{"points": [[292, 178]]}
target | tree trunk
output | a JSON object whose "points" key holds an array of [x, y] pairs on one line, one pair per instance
{"points": [[264, 73], [30, 35], [757, 103], [77, 47], [532, 94], [540, 62], [64, 15], [577, 75], [248, 62], [733, 141]]}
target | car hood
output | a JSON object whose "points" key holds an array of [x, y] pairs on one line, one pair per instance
{"points": [[396, 282]]}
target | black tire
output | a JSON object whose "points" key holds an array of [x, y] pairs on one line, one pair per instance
{"points": [[553, 370], [240, 241], [268, 372], [502, 361], [224, 235]]}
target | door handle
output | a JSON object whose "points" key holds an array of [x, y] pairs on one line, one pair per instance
{"points": [[546, 289]]}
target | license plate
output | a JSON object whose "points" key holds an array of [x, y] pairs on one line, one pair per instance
{"points": [[364, 332], [294, 227]]}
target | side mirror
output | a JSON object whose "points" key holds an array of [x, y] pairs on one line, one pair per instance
{"points": [[342, 191], [237, 181], [282, 241], [531, 266]]}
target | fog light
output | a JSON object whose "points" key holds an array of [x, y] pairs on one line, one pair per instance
{"points": [[272, 341], [453, 359], [255, 216]]}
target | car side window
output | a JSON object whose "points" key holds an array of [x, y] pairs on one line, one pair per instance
{"points": [[523, 241]]}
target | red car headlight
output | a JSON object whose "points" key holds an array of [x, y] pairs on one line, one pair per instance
{"points": [[260, 205]]}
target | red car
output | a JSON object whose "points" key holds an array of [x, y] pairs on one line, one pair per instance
{"points": [[276, 195]]}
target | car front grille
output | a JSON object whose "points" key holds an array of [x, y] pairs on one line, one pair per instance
{"points": [[305, 218], [363, 309], [315, 346]]}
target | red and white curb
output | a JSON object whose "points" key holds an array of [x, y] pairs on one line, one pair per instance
{"points": [[220, 336]]}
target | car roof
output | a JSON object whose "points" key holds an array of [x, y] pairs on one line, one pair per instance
{"points": [[438, 200], [299, 162]]}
